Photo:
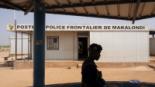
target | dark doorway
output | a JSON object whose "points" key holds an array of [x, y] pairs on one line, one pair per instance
{"points": [[82, 48]]}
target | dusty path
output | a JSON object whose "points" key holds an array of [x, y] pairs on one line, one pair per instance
{"points": [[23, 77], [3, 53]]}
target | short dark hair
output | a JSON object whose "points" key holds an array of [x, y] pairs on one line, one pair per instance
{"points": [[95, 47]]}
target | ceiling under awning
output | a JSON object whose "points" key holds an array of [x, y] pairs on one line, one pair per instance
{"points": [[114, 9]]}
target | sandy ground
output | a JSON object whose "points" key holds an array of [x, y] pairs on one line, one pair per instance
{"points": [[24, 77], [3, 53]]}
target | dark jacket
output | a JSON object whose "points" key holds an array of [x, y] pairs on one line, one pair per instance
{"points": [[91, 76]]}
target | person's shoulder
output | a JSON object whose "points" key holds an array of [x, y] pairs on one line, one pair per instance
{"points": [[88, 63]]}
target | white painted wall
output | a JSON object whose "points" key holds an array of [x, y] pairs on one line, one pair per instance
{"points": [[19, 48], [122, 46], [67, 46], [152, 46]]}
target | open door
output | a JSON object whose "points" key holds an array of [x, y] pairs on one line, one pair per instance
{"points": [[82, 48]]}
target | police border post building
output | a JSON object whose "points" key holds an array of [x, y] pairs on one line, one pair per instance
{"points": [[121, 43]]}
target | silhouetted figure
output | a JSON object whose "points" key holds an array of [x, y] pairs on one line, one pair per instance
{"points": [[91, 76]]}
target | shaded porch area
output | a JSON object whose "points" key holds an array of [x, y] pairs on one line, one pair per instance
{"points": [[109, 84]]}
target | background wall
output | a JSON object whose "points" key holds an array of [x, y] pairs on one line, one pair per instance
{"points": [[20, 40], [67, 47], [122, 46]]}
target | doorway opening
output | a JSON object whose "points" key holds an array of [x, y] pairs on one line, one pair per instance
{"points": [[82, 48]]}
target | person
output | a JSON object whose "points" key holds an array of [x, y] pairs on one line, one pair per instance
{"points": [[91, 76]]}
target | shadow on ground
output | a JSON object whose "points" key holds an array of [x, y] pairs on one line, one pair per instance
{"points": [[109, 84]]}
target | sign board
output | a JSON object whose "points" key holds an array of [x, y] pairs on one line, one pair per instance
{"points": [[27, 27]]}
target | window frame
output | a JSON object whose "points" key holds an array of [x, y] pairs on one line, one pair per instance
{"points": [[48, 42]]}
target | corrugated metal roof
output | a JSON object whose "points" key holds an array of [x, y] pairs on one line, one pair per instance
{"points": [[115, 9]]}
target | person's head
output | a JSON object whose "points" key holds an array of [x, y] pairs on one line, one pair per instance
{"points": [[94, 51]]}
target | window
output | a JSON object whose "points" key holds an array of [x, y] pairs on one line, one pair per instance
{"points": [[52, 42]]}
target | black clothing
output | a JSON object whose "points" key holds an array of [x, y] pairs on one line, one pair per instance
{"points": [[91, 76]]}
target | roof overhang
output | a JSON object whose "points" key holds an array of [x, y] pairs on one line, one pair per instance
{"points": [[114, 9]]}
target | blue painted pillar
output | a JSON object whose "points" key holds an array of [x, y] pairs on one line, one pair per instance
{"points": [[39, 46]]}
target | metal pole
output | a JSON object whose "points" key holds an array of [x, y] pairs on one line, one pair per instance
{"points": [[30, 46], [21, 45], [15, 41], [39, 46], [28, 51]]}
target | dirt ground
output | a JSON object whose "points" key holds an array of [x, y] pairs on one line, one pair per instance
{"points": [[24, 77], [3, 53]]}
